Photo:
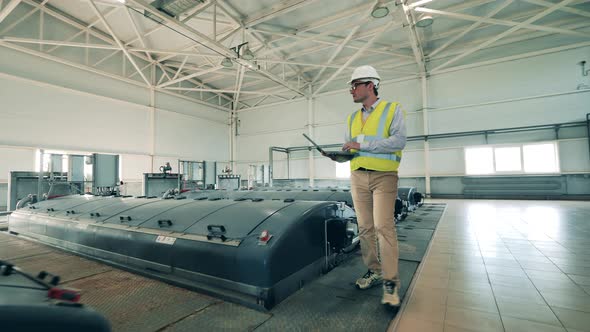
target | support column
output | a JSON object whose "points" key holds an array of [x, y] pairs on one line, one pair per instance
{"points": [[232, 139], [426, 131], [40, 179], [270, 166], [310, 123], [152, 117], [235, 142]]}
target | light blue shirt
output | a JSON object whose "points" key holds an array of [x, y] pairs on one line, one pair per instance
{"points": [[397, 133]]}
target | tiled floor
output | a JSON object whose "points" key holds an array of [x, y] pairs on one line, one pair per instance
{"points": [[504, 266]]}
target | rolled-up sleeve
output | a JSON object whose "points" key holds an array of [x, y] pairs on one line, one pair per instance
{"points": [[396, 140]]}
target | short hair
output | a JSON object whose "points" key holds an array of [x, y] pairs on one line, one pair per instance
{"points": [[375, 90]]}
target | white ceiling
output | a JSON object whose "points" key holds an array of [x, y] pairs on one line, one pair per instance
{"points": [[297, 44]]}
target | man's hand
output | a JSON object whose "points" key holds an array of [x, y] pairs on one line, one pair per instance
{"points": [[351, 145]]}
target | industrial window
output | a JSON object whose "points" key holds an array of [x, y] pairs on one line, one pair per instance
{"points": [[540, 158], [514, 159], [57, 160], [479, 160], [508, 159], [343, 170]]}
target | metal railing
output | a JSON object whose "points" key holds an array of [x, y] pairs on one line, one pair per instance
{"points": [[486, 132]]}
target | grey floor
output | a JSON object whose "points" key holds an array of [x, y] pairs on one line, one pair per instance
{"points": [[504, 266]]}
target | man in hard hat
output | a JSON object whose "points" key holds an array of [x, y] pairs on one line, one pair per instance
{"points": [[377, 134]]}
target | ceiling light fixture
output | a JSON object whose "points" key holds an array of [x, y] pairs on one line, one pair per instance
{"points": [[246, 53], [380, 10], [243, 51], [227, 63], [425, 20]]}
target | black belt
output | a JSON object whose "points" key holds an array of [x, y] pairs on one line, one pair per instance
{"points": [[365, 170]]}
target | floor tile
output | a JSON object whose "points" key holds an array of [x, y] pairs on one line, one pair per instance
{"points": [[510, 281], [575, 269], [472, 301], [407, 324], [565, 286], [451, 328], [573, 319], [535, 266], [528, 311], [580, 302], [471, 319], [418, 309], [431, 295], [432, 282], [475, 286], [521, 325], [546, 275], [506, 271]]}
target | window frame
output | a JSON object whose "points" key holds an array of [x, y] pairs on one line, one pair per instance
{"points": [[557, 160], [521, 147], [479, 147]]}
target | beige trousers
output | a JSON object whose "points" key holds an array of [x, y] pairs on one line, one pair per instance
{"points": [[374, 194]]}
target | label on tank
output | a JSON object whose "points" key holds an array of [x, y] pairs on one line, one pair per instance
{"points": [[165, 239]]}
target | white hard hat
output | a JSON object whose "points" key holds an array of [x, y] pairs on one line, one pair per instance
{"points": [[366, 72]]}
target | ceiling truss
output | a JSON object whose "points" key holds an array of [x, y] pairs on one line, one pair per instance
{"points": [[294, 58]]}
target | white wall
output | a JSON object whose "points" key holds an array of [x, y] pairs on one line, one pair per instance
{"points": [[455, 100], [56, 107]]}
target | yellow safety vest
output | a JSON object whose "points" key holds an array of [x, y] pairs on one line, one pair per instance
{"points": [[376, 127]]}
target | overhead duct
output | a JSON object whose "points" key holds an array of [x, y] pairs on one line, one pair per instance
{"points": [[174, 8]]}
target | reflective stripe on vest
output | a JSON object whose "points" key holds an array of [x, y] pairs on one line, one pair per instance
{"points": [[377, 161]]}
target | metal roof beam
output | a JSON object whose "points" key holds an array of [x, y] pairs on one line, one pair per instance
{"points": [[501, 22], [83, 26], [354, 56], [121, 46], [226, 7], [210, 43], [415, 40], [87, 29], [505, 33], [8, 9], [564, 9], [275, 11], [471, 27]]}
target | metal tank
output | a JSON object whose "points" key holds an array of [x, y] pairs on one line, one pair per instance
{"points": [[55, 308], [324, 194], [409, 196], [253, 251]]}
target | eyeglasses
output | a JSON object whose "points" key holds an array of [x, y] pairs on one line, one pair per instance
{"points": [[354, 85]]}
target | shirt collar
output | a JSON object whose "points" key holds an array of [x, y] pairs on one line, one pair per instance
{"points": [[372, 108]]}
